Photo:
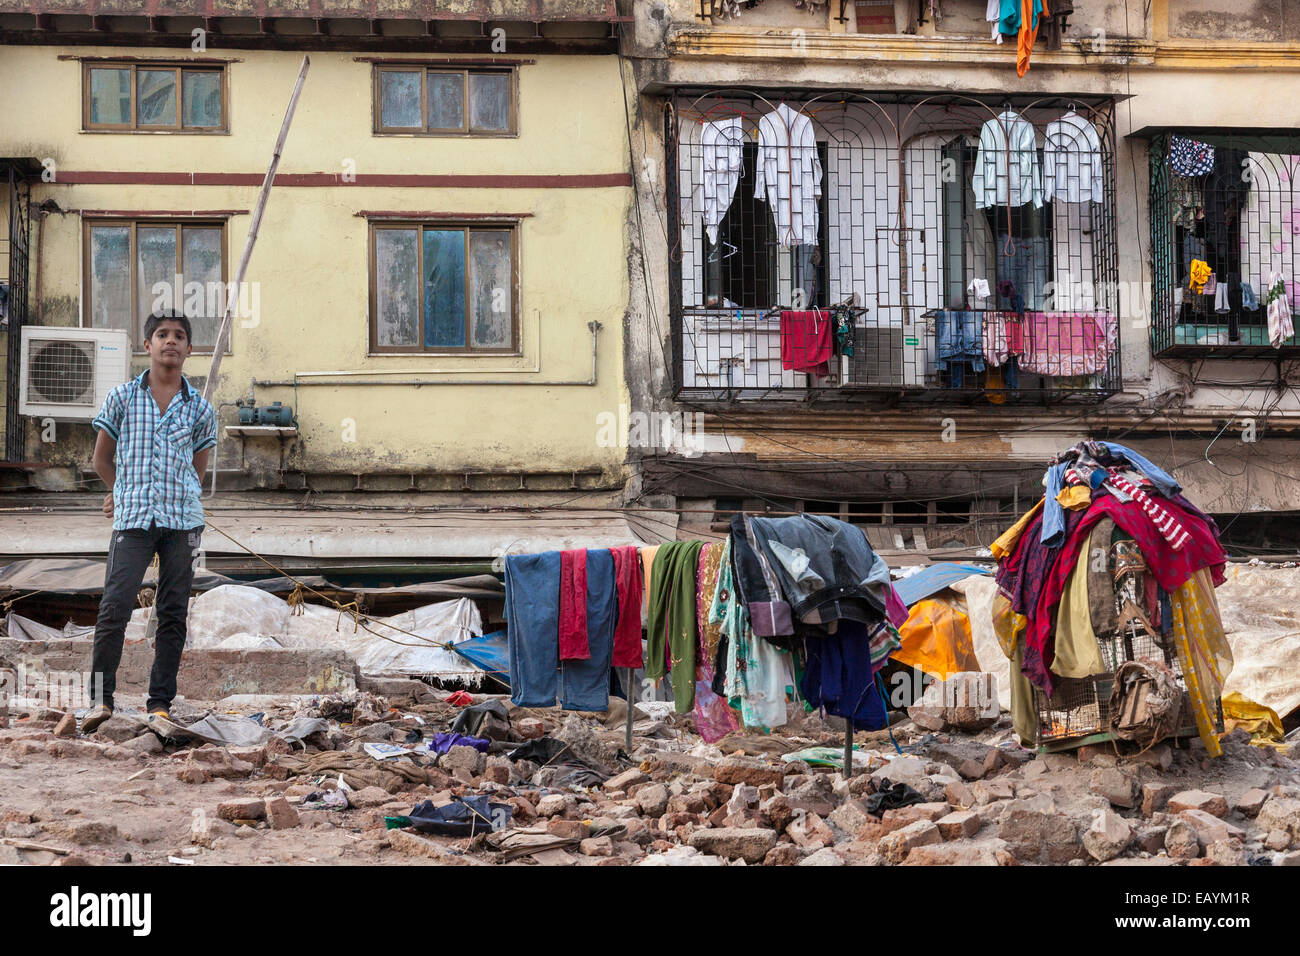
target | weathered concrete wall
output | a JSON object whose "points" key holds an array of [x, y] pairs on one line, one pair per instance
{"points": [[204, 675], [311, 261]]}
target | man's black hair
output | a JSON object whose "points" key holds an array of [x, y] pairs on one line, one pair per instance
{"points": [[151, 324]]}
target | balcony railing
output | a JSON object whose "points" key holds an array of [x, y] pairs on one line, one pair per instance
{"points": [[959, 356], [840, 244], [1225, 224]]}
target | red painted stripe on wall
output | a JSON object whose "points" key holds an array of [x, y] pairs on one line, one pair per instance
{"points": [[144, 178]]}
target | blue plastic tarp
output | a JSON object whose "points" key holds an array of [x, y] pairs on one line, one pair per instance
{"points": [[487, 653], [934, 579]]}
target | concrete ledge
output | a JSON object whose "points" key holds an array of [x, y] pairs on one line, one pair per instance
{"points": [[204, 674]]}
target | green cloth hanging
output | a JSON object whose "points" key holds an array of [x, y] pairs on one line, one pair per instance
{"points": [[673, 619]]}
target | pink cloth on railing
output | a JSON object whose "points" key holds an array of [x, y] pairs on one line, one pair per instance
{"points": [[1061, 344], [1004, 336]]}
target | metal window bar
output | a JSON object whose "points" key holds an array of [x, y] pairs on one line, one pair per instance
{"points": [[900, 233], [1241, 218]]}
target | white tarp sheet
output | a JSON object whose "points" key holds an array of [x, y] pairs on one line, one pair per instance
{"points": [[406, 645]]}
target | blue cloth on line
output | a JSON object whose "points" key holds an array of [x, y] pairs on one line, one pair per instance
{"points": [[838, 676], [584, 685], [533, 627]]}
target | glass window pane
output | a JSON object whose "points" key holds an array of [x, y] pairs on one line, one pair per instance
{"points": [[397, 287], [155, 92], [204, 293], [446, 101], [110, 96], [489, 101], [399, 95], [444, 288], [110, 277], [491, 302], [201, 99], [155, 253]]}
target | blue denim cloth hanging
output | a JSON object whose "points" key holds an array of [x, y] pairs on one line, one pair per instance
{"points": [[533, 627], [584, 684], [960, 339]]}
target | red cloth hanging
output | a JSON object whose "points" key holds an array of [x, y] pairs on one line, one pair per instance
{"points": [[806, 341], [628, 583], [573, 606]]}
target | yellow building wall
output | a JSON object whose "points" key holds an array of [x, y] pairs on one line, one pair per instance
{"points": [[311, 259]]}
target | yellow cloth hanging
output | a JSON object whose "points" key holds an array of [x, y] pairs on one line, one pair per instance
{"points": [[1077, 651], [1203, 652], [647, 562], [1200, 272], [1010, 629], [995, 385], [1011, 537]]}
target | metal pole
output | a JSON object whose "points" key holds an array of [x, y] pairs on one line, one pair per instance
{"points": [[627, 739], [848, 748], [223, 330]]}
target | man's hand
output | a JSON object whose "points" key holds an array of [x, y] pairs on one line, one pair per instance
{"points": [[108, 506]]}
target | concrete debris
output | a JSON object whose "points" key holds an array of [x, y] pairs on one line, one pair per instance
{"points": [[579, 796], [965, 701]]}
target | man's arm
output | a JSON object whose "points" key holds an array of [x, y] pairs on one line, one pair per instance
{"points": [[201, 463], [105, 449]]}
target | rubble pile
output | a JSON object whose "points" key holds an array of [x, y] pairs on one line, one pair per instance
{"points": [[419, 778]]}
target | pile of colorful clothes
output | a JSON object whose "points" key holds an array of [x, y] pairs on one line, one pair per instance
{"points": [[1113, 551], [797, 607]]}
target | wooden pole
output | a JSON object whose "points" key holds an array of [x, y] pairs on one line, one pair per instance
{"points": [[223, 330]]}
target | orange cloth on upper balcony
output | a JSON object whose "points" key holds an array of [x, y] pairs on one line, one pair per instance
{"points": [[1028, 33]]}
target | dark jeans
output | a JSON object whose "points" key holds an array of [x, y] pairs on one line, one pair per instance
{"points": [[129, 554]]}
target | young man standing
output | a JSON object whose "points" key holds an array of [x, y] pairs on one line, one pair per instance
{"points": [[161, 429]]}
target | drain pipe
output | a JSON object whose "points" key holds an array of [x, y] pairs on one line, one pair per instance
{"points": [[349, 376]]}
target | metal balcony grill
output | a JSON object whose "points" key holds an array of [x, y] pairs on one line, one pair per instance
{"points": [[1232, 203], [871, 226]]}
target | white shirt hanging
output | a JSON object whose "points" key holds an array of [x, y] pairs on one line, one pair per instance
{"points": [[720, 162], [789, 177], [1072, 169], [1006, 167]]}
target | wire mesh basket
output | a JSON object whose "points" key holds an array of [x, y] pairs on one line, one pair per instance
{"points": [[1078, 709]]}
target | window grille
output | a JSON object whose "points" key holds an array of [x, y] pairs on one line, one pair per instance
{"points": [[1230, 203], [871, 222]]}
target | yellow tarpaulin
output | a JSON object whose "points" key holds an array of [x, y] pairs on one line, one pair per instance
{"points": [[937, 640]]}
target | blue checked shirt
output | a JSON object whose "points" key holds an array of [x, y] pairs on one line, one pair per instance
{"points": [[156, 481]]}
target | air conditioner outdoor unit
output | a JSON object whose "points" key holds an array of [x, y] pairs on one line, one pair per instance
{"points": [[66, 373], [885, 357]]}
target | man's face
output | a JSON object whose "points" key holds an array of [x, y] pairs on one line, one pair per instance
{"points": [[169, 345]]}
